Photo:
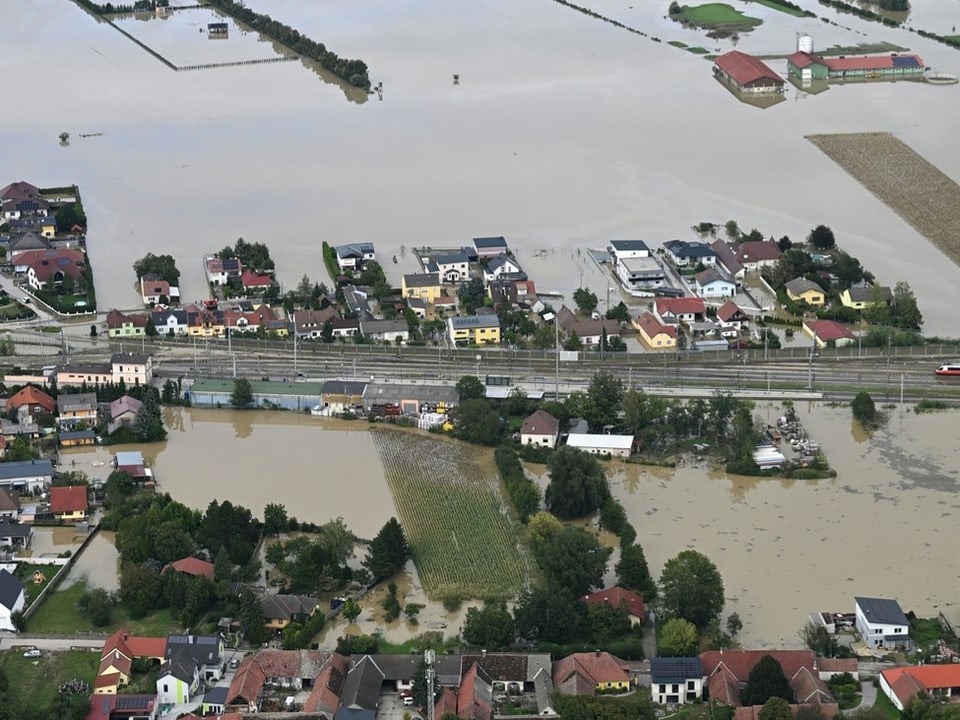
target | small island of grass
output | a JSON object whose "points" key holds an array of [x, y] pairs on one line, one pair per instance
{"points": [[719, 18]]}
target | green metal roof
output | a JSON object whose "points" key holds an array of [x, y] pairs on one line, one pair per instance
{"points": [[259, 387]]}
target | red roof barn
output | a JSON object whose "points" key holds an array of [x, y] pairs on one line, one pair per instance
{"points": [[746, 73]]}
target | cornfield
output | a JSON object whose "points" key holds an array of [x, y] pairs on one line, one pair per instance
{"points": [[463, 538]]}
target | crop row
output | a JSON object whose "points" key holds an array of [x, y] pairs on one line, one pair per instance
{"points": [[463, 539]]}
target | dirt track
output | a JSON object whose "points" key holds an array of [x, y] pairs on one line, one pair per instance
{"points": [[913, 188]]}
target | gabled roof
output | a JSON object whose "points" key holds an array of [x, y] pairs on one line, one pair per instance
{"points": [[343, 387], [284, 607], [420, 280], [26, 469], [30, 395], [540, 422], [193, 566], [675, 669], [680, 306], [745, 68], [809, 688], [866, 294], [325, 695], [801, 285], [68, 498], [216, 695], [475, 700], [250, 279], [12, 529], [469, 322], [45, 263], [247, 682], [75, 402], [501, 260], [726, 256], [711, 275], [182, 668], [741, 662], [649, 324], [19, 190], [9, 501], [451, 259], [201, 649], [629, 245], [361, 689], [728, 310], [690, 250], [758, 251], [595, 667], [354, 250], [135, 645], [723, 686], [489, 242], [116, 319], [10, 589], [882, 611], [908, 681], [129, 358], [827, 330], [125, 404], [618, 597]]}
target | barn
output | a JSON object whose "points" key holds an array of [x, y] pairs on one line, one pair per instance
{"points": [[746, 74]]}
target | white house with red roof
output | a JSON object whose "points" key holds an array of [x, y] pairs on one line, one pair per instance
{"points": [[619, 597], [41, 266], [902, 684], [826, 331], [254, 282], [153, 291], [541, 429], [69, 502], [673, 311], [754, 255], [654, 334]]}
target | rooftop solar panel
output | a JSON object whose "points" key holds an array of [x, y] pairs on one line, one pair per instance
{"points": [[908, 61]]}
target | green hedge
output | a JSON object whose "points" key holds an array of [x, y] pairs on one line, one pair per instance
{"points": [[523, 492]]}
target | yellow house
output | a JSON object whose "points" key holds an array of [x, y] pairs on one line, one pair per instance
{"points": [[69, 502], [861, 298], [205, 323], [280, 610], [474, 329], [802, 290], [654, 334], [597, 669], [423, 286]]}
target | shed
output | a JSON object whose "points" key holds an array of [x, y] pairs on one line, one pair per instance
{"points": [[615, 445]]}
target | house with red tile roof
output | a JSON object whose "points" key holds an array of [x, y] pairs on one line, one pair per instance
{"points": [[283, 668], [117, 656], [475, 698], [618, 597], [69, 502], [253, 282], [155, 291], [33, 398], [752, 712], [654, 334], [191, 566], [586, 673], [826, 331], [40, 266], [324, 698], [902, 684], [746, 73], [732, 315], [673, 311], [754, 255], [541, 429]]}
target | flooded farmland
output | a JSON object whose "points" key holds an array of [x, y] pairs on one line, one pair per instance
{"points": [[563, 132]]}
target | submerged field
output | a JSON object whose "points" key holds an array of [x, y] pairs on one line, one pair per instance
{"points": [[461, 532], [904, 181]]}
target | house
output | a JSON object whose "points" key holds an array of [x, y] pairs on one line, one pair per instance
{"points": [[451, 267], [117, 656], [83, 374], [35, 400], [69, 502], [254, 283], [827, 331], [475, 697], [12, 599], [541, 429], [309, 323], [746, 73], [419, 307], [132, 463], [247, 685], [636, 268], [732, 316], [29, 239], [49, 266], [204, 321], [501, 265], [385, 330], [863, 297], [26, 476], [808, 66], [423, 286], [676, 680], [353, 256], [120, 325], [628, 249], [589, 331], [614, 445], [131, 368], [14, 534], [77, 409], [221, 272], [214, 700], [388, 399], [881, 623], [902, 684], [345, 327], [156, 291], [170, 322], [726, 671], [9, 506], [286, 669], [727, 259], [673, 311], [685, 254], [178, 681], [123, 412], [324, 698], [76, 438], [280, 610], [360, 694], [123, 707], [803, 290], [203, 652], [191, 566], [357, 301], [754, 255], [714, 283], [654, 334], [474, 329], [587, 673], [338, 396], [488, 247], [619, 597]]}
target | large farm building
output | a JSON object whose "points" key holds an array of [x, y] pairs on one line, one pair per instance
{"points": [[807, 66], [746, 74]]}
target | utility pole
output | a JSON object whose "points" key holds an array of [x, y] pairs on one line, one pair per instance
{"points": [[556, 332], [428, 659], [294, 346], [813, 352]]}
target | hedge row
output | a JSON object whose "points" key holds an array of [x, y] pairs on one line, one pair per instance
{"points": [[523, 492]]}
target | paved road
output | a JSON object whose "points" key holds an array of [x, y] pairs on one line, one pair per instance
{"points": [[8, 641]]}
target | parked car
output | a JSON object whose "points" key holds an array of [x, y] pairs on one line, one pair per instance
{"points": [[408, 700], [235, 663], [32, 653]]}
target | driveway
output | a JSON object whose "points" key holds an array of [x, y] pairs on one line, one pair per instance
{"points": [[868, 698], [9, 640]]}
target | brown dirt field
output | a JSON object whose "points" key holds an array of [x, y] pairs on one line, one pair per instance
{"points": [[906, 183]]}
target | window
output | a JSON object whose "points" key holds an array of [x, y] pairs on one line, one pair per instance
{"points": [[165, 688], [691, 685], [663, 688], [675, 688]]}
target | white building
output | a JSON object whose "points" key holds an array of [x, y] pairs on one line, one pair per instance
{"points": [[640, 272], [13, 597], [452, 268], [170, 322], [628, 249], [714, 283], [881, 623], [353, 256], [503, 264], [132, 368], [178, 682], [676, 680], [540, 429], [615, 445]]}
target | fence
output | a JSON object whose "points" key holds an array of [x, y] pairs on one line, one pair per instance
{"points": [[61, 574]]}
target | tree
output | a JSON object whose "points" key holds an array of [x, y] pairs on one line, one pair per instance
{"points": [[251, 617], [388, 552], [766, 680], [641, 410], [20, 449], [848, 270], [586, 300], [119, 486], [163, 266], [677, 638], [490, 628], [67, 216], [732, 229], [633, 572], [691, 588], [572, 559], [607, 623], [784, 243], [470, 387], [549, 615], [222, 565], [818, 639], [274, 519], [98, 606], [351, 610], [734, 624], [573, 342], [577, 486], [619, 312], [904, 311], [865, 410], [605, 395], [478, 422], [821, 237], [542, 527], [148, 422], [242, 395], [472, 295], [776, 708]]}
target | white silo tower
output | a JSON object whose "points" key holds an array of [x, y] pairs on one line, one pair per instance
{"points": [[805, 43]]}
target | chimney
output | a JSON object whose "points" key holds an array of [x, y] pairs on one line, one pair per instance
{"points": [[596, 653], [483, 653]]}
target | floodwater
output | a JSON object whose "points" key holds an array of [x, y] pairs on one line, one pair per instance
{"points": [[564, 132], [786, 548], [98, 564]]}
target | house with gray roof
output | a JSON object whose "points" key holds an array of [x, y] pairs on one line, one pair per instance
{"points": [[676, 680], [385, 330], [451, 267], [214, 701], [685, 253], [354, 255], [204, 651], [178, 681], [14, 534], [13, 598], [490, 246], [360, 696], [28, 476], [882, 623]]}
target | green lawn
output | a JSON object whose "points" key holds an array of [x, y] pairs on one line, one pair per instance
{"points": [[883, 703], [35, 680], [952, 39], [926, 631], [59, 614], [717, 16], [677, 43], [25, 573], [782, 8], [698, 50]]}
